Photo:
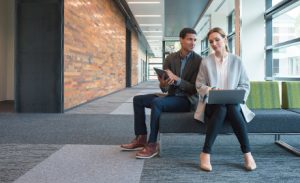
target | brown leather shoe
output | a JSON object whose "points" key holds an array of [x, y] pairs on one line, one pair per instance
{"points": [[149, 151], [136, 144]]}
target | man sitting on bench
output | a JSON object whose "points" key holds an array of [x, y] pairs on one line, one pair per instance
{"points": [[181, 69]]}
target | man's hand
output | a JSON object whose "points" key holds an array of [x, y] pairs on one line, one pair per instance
{"points": [[162, 82], [172, 77]]}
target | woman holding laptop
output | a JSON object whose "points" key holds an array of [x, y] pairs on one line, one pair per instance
{"points": [[222, 70]]}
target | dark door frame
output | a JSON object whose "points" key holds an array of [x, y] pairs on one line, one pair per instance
{"points": [[128, 57], [58, 74]]}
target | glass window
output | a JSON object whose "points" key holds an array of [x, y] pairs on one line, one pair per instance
{"points": [[283, 27], [286, 61], [275, 67], [231, 44], [231, 32], [233, 22], [286, 26], [171, 47], [154, 62], [204, 47], [274, 2]]}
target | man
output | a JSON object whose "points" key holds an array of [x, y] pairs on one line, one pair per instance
{"points": [[182, 69]]}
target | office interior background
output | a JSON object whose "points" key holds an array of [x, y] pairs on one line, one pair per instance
{"points": [[59, 55], [56, 55]]}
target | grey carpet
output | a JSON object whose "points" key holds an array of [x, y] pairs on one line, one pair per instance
{"points": [[86, 164], [65, 129], [16, 160], [180, 161]]}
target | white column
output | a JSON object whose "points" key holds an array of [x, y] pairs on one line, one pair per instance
{"points": [[253, 38]]}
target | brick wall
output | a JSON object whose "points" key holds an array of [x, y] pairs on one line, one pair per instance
{"points": [[94, 48]]}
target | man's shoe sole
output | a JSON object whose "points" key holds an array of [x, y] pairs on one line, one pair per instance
{"points": [[135, 149], [146, 157]]}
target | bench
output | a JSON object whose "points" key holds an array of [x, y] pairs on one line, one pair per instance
{"points": [[291, 96], [264, 100]]}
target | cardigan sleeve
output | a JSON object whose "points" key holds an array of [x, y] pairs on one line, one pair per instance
{"points": [[243, 82], [201, 82]]}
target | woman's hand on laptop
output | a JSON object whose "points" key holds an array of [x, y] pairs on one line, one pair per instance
{"points": [[214, 88]]}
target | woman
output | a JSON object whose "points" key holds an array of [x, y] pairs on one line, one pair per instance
{"points": [[222, 70]]}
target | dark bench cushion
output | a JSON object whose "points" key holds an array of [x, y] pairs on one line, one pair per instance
{"points": [[294, 110], [265, 121]]}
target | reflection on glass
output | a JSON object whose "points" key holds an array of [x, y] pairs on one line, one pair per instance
{"points": [[204, 49], [286, 61], [287, 26], [274, 2], [231, 23], [231, 44]]}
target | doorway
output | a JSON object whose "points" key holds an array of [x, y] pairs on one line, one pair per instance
{"points": [[128, 57]]}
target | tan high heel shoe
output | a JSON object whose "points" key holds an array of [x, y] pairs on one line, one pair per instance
{"points": [[205, 162], [250, 164]]}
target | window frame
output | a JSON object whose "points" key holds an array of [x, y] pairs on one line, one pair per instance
{"points": [[231, 32], [271, 13]]}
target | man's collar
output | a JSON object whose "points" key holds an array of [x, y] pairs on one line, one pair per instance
{"points": [[187, 56]]}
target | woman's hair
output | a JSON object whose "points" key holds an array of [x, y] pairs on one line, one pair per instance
{"points": [[221, 32]]}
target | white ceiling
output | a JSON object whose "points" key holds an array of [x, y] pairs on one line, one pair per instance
{"points": [[150, 16], [163, 19]]}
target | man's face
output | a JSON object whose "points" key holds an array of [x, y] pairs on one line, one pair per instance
{"points": [[188, 42]]}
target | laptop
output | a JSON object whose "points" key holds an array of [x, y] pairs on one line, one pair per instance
{"points": [[226, 96]]}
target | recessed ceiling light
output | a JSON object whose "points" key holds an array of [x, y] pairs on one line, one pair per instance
{"points": [[152, 31], [153, 39], [150, 25], [141, 2], [153, 36], [152, 16]]}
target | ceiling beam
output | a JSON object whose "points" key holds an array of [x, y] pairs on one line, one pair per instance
{"points": [[202, 13]]}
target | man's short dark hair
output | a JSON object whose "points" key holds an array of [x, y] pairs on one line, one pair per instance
{"points": [[185, 31]]}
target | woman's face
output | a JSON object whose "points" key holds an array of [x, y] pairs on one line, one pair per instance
{"points": [[217, 42]]}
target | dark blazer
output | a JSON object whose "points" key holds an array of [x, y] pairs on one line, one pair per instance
{"points": [[188, 78]]}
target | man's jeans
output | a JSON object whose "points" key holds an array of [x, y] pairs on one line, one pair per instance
{"points": [[157, 105]]}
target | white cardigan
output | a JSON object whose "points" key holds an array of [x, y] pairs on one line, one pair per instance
{"points": [[207, 77]]}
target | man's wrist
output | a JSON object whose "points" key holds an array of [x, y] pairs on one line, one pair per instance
{"points": [[178, 81]]}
